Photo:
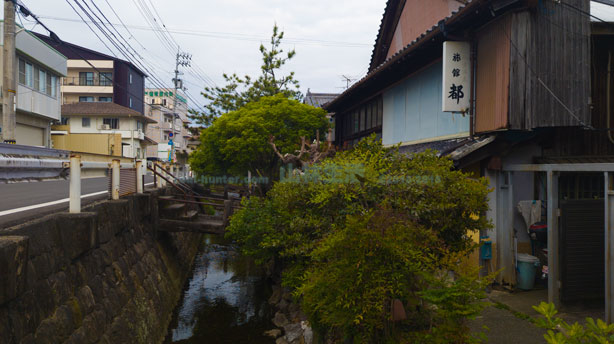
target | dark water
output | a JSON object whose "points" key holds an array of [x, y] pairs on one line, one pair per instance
{"points": [[225, 300]]}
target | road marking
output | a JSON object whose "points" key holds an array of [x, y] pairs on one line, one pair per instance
{"points": [[42, 205]]}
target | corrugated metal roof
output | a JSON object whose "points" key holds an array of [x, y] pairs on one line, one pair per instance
{"points": [[408, 48]]}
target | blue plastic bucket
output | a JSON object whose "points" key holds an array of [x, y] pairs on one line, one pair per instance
{"points": [[527, 268]]}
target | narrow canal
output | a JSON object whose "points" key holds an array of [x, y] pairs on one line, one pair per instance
{"points": [[224, 301]]}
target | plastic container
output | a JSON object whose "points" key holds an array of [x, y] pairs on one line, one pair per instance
{"points": [[527, 268]]}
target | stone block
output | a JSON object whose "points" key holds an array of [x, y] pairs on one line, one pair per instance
{"points": [[13, 266], [43, 235], [78, 233]]}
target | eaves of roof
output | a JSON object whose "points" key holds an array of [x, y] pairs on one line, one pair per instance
{"points": [[427, 36], [389, 21]]}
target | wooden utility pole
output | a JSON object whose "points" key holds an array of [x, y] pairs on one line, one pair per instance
{"points": [[9, 85]]}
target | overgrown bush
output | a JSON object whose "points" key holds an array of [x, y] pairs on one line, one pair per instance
{"points": [[366, 228], [561, 332]]}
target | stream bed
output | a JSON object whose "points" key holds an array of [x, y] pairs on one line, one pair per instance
{"points": [[225, 299]]}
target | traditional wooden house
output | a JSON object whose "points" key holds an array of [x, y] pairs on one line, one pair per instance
{"points": [[536, 125]]}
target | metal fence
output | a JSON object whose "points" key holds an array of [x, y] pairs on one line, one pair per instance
{"points": [[127, 181]]}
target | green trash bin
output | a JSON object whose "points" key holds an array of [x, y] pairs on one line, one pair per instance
{"points": [[527, 267]]}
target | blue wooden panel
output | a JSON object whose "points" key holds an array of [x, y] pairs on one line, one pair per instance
{"points": [[412, 110]]}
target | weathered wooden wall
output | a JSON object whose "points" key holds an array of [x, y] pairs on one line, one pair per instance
{"points": [[551, 43], [573, 141], [493, 76]]}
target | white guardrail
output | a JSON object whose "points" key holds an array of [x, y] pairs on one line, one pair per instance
{"points": [[14, 168], [75, 165]]}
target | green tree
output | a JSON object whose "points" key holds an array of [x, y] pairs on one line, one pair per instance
{"points": [[239, 91], [238, 141], [367, 227]]}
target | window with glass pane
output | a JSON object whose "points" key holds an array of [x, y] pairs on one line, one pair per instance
{"points": [[36, 78], [42, 81], [362, 119], [48, 87], [104, 99], [64, 120], [86, 99], [373, 114], [86, 78], [54, 86], [29, 77], [22, 72], [106, 79], [85, 122], [112, 122]]}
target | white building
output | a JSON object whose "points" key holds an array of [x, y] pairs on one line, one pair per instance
{"points": [[38, 71], [159, 107], [87, 122]]}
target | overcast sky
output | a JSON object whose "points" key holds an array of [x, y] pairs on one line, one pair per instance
{"points": [[331, 37]]}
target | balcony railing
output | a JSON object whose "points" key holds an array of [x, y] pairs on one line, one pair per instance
{"points": [[77, 81]]}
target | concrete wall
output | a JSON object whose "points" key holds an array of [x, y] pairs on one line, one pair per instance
{"points": [[103, 276], [107, 144]]}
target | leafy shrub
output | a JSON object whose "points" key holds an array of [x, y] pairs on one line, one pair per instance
{"points": [[367, 227], [560, 332]]}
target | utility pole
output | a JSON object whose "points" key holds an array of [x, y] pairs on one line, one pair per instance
{"points": [[183, 59], [8, 69]]}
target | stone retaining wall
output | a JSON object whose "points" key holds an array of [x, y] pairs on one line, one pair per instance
{"points": [[103, 276]]}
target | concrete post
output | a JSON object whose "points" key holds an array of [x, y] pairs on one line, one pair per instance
{"points": [[139, 176], [115, 179], [74, 205], [553, 237], [9, 88]]}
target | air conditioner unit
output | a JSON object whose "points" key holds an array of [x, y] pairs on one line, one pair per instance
{"points": [[106, 127]]}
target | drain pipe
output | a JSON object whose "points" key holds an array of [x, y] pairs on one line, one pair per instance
{"points": [[609, 96]]}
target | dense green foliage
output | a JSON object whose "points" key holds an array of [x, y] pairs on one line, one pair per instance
{"points": [[367, 227], [240, 91], [238, 141], [560, 332]]}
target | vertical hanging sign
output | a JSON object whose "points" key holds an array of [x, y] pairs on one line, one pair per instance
{"points": [[456, 76]]}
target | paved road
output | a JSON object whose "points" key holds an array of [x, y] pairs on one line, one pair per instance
{"points": [[22, 201]]}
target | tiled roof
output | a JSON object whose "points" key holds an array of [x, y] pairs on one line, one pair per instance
{"points": [[101, 109], [407, 49], [319, 99]]}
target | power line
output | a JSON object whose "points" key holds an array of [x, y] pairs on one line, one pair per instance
{"points": [[236, 36], [123, 52]]}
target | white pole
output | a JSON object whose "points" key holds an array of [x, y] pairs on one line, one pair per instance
{"points": [[74, 205], [139, 176], [115, 179]]}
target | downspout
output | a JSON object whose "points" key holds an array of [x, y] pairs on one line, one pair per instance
{"points": [[608, 96]]}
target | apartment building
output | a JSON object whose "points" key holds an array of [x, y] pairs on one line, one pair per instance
{"points": [[159, 107], [39, 69], [96, 77]]}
